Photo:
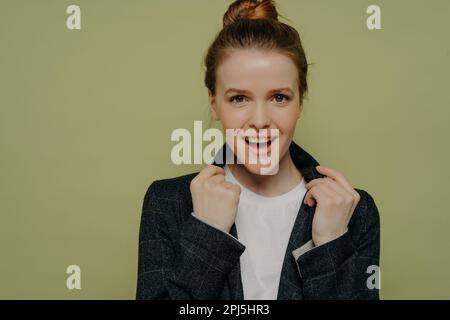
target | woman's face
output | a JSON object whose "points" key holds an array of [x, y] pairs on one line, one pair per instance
{"points": [[257, 91]]}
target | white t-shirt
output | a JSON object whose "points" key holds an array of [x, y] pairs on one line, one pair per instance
{"points": [[264, 225]]}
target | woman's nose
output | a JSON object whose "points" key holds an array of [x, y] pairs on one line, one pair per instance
{"points": [[260, 117]]}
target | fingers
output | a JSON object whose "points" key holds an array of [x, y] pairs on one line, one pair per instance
{"points": [[210, 171], [325, 190], [339, 178], [334, 187], [309, 198], [320, 191], [216, 179], [335, 175]]}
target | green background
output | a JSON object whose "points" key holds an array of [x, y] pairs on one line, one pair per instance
{"points": [[86, 117]]}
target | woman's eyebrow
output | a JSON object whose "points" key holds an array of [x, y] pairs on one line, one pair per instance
{"points": [[237, 91], [242, 91], [282, 89]]}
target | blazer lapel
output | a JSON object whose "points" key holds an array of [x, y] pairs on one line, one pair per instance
{"points": [[234, 278], [234, 281], [290, 285]]}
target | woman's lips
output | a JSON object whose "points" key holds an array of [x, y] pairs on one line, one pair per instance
{"points": [[256, 147], [259, 146]]}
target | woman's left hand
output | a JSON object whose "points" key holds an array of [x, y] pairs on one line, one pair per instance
{"points": [[336, 200]]}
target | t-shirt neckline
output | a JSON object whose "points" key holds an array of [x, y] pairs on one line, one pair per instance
{"points": [[249, 195]]}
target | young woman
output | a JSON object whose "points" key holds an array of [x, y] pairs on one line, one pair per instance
{"points": [[230, 232]]}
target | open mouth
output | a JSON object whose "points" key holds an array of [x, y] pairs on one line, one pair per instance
{"points": [[258, 143]]}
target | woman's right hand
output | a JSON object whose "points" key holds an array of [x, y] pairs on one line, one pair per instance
{"points": [[215, 200]]}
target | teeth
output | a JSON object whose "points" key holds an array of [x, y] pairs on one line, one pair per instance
{"points": [[258, 143], [261, 141]]}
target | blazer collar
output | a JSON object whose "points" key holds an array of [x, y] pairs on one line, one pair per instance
{"points": [[304, 162], [290, 283]]}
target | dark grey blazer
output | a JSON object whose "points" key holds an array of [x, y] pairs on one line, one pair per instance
{"points": [[181, 257]]}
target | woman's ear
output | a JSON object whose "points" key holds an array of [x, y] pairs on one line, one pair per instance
{"points": [[213, 106], [300, 109]]}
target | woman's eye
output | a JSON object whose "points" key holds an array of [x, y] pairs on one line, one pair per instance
{"points": [[279, 98], [237, 99]]}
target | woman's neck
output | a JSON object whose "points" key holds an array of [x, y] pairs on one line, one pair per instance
{"points": [[286, 179]]}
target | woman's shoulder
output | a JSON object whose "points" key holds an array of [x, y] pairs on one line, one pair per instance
{"points": [[172, 189], [365, 216], [167, 202], [366, 199]]}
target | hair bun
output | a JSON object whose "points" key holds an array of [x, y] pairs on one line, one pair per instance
{"points": [[250, 9]]}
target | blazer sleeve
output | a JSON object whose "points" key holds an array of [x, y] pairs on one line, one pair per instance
{"points": [[346, 267], [187, 261]]}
